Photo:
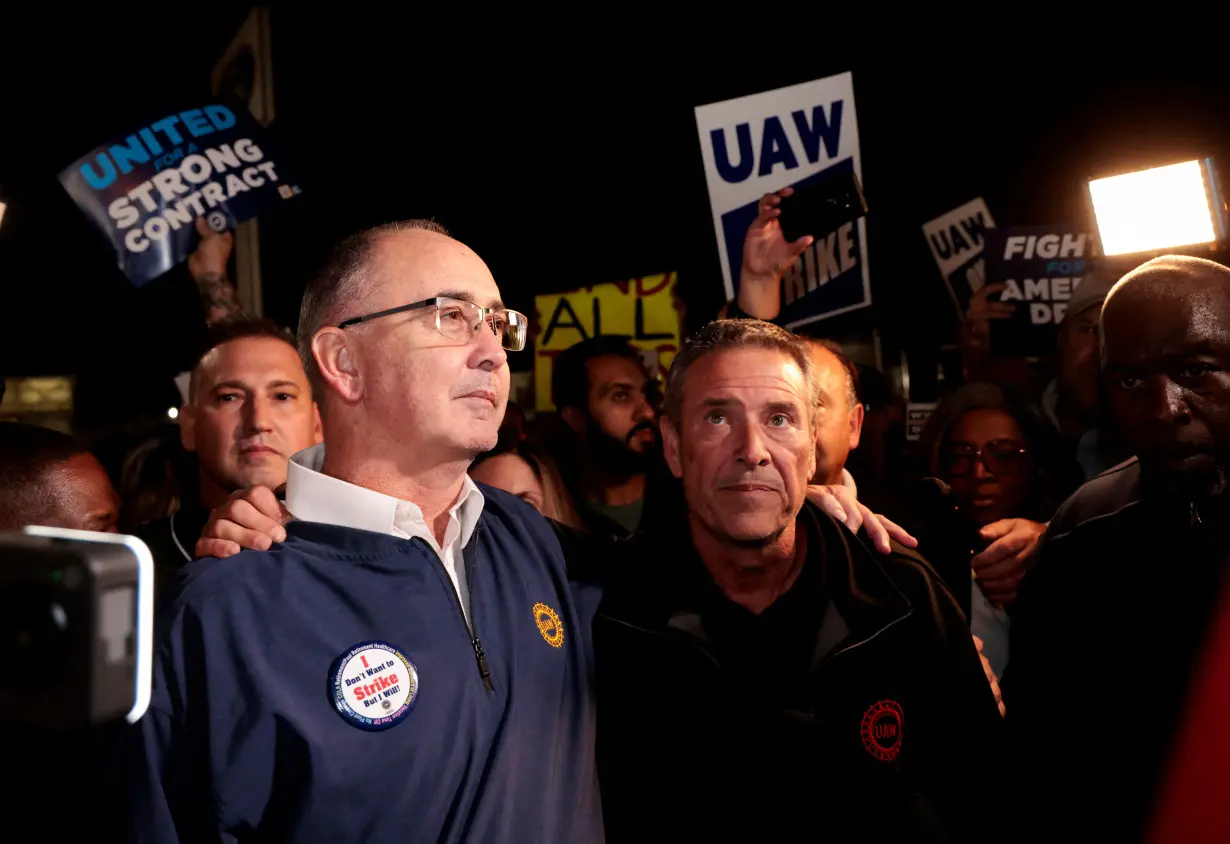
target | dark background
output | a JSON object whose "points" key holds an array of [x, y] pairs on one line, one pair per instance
{"points": [[562, 165]]}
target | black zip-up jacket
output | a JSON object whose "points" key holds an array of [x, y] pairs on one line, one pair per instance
{"points": [[1106, 633], [885, 735]]}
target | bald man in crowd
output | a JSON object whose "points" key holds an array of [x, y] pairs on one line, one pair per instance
{"points": [[409, 661], [1113, 618], [840, 419], [50, 479], [839, 429]]}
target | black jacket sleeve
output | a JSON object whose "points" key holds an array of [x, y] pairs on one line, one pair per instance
{"points": [[963, 754], [1045, 664], [166, 757]]}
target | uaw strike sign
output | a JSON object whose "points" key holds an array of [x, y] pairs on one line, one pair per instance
{"points": [[145, 191], [642, 309], [956, 240], [787, 137], [1039, 268], [917, 415]]}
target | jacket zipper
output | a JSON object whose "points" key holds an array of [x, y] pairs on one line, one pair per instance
{"points": [[480, 655]]}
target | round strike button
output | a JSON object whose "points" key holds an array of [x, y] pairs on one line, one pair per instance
{"points": [[374, 685]]}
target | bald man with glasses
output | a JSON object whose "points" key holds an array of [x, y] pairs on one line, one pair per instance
{"points": [[409, 662]]}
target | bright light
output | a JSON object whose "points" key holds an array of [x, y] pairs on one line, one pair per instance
{"points": [[1153, 209], [173, 412], [2, 207]]}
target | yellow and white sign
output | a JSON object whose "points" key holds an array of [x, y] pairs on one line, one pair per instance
{"points": [[641, 309]]}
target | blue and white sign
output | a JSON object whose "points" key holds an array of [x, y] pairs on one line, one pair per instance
{"points": [[1039, 268], [787, 137], [146, 191], [957, 245]]}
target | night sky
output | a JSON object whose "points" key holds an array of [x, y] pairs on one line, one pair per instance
{"points": [[561, 165]]}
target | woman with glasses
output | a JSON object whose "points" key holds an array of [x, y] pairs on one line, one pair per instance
{"points": [[1000, 460]]}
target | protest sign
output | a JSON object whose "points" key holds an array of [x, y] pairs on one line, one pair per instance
{"points": [[790, 136], [917, 415], [956, 240], [643, 310], [1040, 267], [145, 192]]}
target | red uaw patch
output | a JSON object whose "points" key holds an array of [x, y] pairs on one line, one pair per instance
{"points": [[881, 730]]}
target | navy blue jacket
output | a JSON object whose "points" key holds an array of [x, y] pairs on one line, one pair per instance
{"points": [[243, 735]]}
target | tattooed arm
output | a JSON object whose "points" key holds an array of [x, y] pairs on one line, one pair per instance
{"points": [[208, 268]]}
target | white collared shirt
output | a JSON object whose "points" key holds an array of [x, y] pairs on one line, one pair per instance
{"points": [[315, 497]]}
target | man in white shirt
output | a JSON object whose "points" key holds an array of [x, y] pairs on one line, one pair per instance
{"points": [[316, 497], [411, 659]]}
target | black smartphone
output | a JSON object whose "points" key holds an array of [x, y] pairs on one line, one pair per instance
{"points": [[822, 206], [935, 502]]}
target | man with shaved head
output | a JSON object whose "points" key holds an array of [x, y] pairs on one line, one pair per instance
{"points": [[840, 420], [407, 661], [1113, 618]]}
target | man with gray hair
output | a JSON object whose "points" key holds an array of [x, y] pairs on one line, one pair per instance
{"points": [[1112, 619], [408, 658], [762, 675]]}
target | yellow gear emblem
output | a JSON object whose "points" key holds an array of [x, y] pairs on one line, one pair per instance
{"points": [[549, 625]]}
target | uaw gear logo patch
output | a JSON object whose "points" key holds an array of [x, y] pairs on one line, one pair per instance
{"points": [[549, 625], [374, 685], [881, 730]]}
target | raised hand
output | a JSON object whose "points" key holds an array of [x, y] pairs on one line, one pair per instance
{"points": [[1001, 566], [250, 518], [840, 503], [766, 257]]}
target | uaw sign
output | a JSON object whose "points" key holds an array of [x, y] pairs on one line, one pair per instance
{"points": [[917, 415], [957, 241], [642, 309], [1039, 267], [787, 137]]}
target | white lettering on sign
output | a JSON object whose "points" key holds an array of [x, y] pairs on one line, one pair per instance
{"points": [[1047, 297], [917, 416], [1045, 246], [764, 142], [956, 237], [823, 261]]}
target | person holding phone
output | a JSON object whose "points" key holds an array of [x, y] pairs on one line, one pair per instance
{"points": [[787, 223], [767, 255], [1001, 461]]}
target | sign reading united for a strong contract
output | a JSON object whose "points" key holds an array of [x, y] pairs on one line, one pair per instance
{"points": [[146, 191]]}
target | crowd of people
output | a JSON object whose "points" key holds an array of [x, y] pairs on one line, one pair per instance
{"points": [[748, 613]]}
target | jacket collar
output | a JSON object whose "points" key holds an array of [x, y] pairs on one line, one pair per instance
{"points": [[858, 586], [661, 588]]}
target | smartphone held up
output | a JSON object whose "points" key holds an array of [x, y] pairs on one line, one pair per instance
{"points": [[821, 205]]}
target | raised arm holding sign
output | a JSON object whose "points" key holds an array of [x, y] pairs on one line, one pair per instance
{"points": [[208, 268]]}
